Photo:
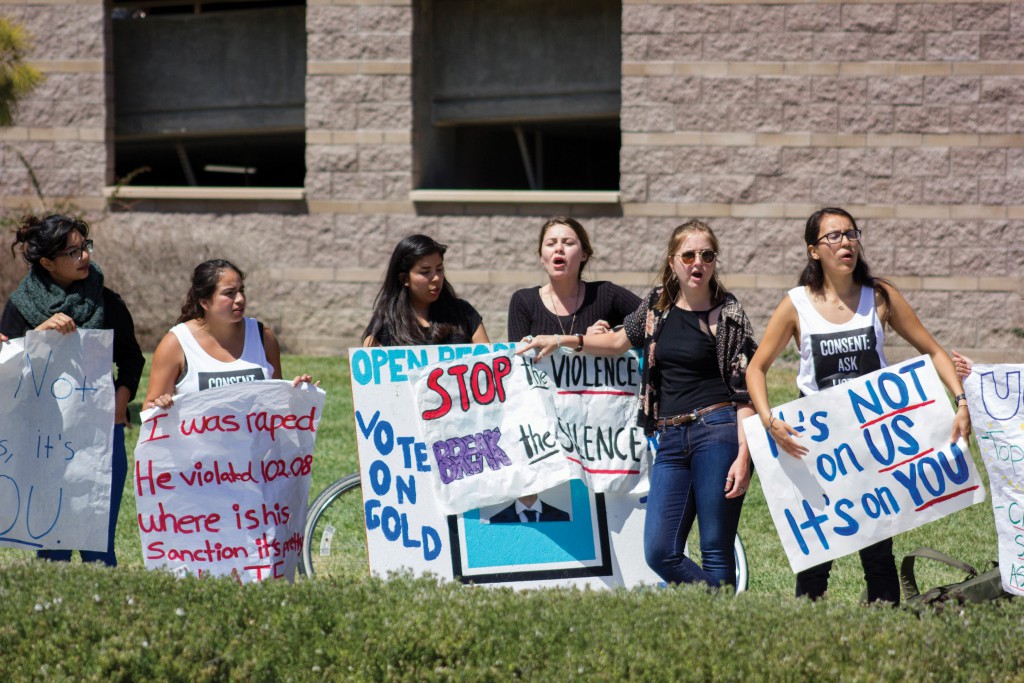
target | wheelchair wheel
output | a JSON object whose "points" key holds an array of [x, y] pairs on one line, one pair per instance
{"points": [[335, 535]]}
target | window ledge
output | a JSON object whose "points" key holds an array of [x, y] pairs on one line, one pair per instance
{"points": [[516, 196], [185, 192]]}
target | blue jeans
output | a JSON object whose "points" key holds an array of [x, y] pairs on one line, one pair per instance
{"points": [[119, 473], [687, 481]]}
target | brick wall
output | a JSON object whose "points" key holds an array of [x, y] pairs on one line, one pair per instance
{"points": [[907, 114], [910, 115]]}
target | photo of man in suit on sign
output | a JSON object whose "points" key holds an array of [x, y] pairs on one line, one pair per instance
{"points": [[529, 509]]}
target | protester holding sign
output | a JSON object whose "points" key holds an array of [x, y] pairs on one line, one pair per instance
{"points": [[696, 342], [836, 316], [567, 305], [416, 305], [213, 344], [64, 291]]}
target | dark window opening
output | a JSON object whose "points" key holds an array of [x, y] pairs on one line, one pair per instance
{"points": [[517, 94], [209, 94], [241, 161], [553, 156]]}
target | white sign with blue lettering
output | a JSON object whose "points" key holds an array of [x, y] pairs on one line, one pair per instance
{"points": [[569, 535], [996, 400], [56, 440], [879, 462]]}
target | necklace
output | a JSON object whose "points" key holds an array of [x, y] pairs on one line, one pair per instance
{"points": [[576, 308]]}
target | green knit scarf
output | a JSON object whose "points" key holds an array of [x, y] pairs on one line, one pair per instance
{"points": [[38, 298]]}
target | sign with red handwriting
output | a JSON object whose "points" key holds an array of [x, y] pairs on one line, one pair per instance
{"points": [[56, 440], [579, 536], [489, 424], [995, 396], [596, 407], [222, 480], [879, 462]]}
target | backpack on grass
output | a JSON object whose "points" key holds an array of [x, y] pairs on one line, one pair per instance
{"points": [[976, 587]]}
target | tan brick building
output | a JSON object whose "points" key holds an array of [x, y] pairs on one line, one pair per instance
{"points": [[472, 121]]}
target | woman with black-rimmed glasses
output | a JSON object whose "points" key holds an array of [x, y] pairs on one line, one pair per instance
{"points": [[837, 316], [64, 291], [696, 342]]}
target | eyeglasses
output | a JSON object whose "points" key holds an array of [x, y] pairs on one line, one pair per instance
{"points": [[705, 255], [76, 253], [835, 237]]}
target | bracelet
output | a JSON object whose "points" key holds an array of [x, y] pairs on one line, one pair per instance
{"points": [[579, 345], [558, 340], [771, 421], [960, 397]]}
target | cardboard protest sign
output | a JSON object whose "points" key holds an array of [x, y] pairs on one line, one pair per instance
{"points": [[595, 406], [56, 440], [222, 480], [489, 424], [994, 395], [597, 540], [879, 463]]}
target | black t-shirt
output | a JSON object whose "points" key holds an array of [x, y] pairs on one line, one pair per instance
{"points": [[601, 301], [464, 323], [688, 362]]}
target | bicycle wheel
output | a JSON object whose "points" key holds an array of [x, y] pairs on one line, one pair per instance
{"points": [[335, 536], [742, 573]]}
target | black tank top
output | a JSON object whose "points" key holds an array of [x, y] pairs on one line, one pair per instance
{"points": [[688, 363]]}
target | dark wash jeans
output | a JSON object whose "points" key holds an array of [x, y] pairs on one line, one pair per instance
{"points": [[119, 473], [687, 481], [879, 573]]}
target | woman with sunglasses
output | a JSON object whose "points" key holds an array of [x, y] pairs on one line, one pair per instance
{"points": [[567, 305], [696, 342], [64, 291], [416, 305], [838, 297]]}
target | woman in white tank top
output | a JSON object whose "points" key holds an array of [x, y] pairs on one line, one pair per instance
{"points": [[837, 317], [213, 344]]}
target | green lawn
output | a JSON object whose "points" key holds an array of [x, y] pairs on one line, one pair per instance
{"points": [[75, 622]]}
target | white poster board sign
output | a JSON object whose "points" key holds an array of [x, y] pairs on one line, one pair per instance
{"points": [[489, 423], [56, 440], [596, 541], [596, 406], [222, 480], [879, 462], [994, 395]]}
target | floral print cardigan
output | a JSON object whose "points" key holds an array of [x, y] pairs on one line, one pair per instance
{"points": [[734, 344]]}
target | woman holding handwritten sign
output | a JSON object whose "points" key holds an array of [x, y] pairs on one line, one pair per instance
{"points": [[696, 341], [416, 305], [213, 344], [64, 291], [837, 315]]}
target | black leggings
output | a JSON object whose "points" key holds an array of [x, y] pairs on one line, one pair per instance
{"points": [[879, 573]]}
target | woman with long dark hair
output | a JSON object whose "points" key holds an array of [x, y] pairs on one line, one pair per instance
{"points": [[213, 343], [696, 340], [838, 296], [64, 291], [566, 304], [416, 305]]}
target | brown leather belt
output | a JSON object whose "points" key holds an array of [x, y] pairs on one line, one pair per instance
{"points": [[689, 417]]}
